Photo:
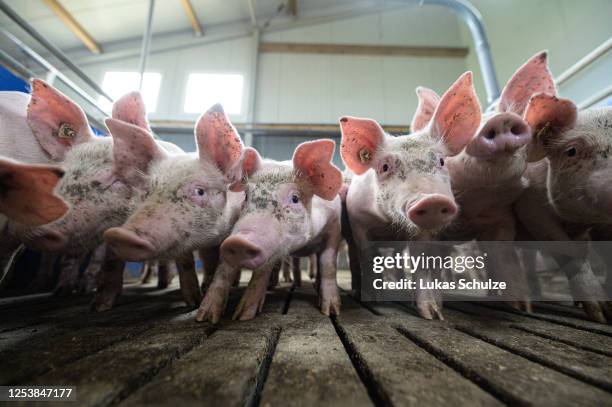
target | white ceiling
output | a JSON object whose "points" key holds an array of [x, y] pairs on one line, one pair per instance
{"points": [[109, 21]]}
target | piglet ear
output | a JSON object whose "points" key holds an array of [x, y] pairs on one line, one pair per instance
{"points": [[134, 149], [130, 108], [428, 101], [249, 164], [312, 160], [457, 116], [57, 122], [26, 192], [217, 139], [531, 78], [548, 116], [361, 138]]}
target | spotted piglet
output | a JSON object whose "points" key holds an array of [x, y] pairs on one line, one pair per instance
{"points": [[290, 208], [401, 186]]}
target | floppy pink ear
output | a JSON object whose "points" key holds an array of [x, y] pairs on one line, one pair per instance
{"points": [[57, 122], [361, 138], [26, 192], [312, 160], [428, 101], [457, 116], [134, 149], [548, 116], [131, 108], [217, 139], [531, 78], [249, 164]]}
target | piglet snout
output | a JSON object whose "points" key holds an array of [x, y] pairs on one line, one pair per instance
{"points": [[502, 134], [240, 252], [127, 245], [432, 211]]}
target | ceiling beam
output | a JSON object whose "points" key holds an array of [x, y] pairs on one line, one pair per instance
{"points": [[73, 25], [346, 49], [193, 18]]}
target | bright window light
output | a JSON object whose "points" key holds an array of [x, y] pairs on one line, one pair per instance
{"points": [[117, 84], [204, 90]]}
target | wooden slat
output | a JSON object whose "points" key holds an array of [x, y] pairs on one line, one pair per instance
{"points": [[403, 372], [585, 340], [513, 378], [192, 17], [582, 364], [349, 49], [74, 26], [80, 336], [226, 370], [105, 377], [310, 364]]}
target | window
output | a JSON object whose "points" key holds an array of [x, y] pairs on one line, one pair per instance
{"points": [[204, 90], [117, 84]]}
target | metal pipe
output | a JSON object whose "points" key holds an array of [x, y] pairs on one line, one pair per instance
{"points": [[584, 62], [596, 98], [471, 16], [248, 134], [13, 65], [52, 49], [146, 41], [27, 74]]}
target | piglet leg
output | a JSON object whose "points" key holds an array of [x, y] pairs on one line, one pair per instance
{"points": [[147, 272], [255, 294], [90, 276], [188, 280], [210, 262], [110, 283], [286, 267], [329, 297], [215, 301], [69, 276], [297, 271], [166, 273]]}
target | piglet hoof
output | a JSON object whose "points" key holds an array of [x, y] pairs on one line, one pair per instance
{"points": [[329, 300], [524, 306], [212, 308], [248, 307], [64, 290], [192, 298], [597, 311], [104, 302], [430, 310], [287, 277]]}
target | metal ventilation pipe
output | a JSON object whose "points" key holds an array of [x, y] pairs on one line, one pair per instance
{"points": [[470, 15]]}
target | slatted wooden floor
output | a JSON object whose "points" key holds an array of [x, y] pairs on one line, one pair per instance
{"points": [[150, 351]]}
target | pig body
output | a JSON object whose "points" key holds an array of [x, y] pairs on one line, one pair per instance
{"points": [[569, 191], [190, 205], [400, 188], [291, 209]]}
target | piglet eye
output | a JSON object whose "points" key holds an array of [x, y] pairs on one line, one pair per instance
{"points": [[295, 199], [571, 152], [441, 162], [200, 191], [385, 167]]}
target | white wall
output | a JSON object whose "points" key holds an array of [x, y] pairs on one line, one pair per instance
{"points": [[568, 29], [311, 88]]}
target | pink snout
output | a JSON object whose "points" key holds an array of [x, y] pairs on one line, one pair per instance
{"points": [[432, 211], [127, 245], [241, 252], [503, 133]]}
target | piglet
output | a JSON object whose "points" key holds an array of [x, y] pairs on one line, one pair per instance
{"points": [[291, 208], [401, 187], [569, 193]]}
